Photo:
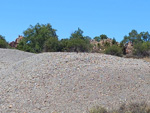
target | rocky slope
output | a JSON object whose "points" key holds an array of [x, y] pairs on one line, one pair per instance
{"points": [[70, 82]]}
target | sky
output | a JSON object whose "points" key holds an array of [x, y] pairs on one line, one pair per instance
{"points": [[115, 18]]}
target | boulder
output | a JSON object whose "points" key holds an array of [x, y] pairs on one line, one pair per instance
{"points": [[16, 42], [129, 48]]}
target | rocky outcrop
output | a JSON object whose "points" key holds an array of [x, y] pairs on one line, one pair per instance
{"points": [[129, 48], [16, 42], [100, 46]]}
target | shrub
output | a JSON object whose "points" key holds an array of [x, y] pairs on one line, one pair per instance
{"points": [[134, 108], [78, 45], [98, 109], [142, 49], [3, 43], [52, 45], [114, 50], [131, 108]]}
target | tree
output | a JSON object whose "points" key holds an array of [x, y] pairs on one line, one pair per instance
{"points": [[103, 36], [78, 42], [133, 37], [78, 34], [145, 36], [97, 38], [78, 45], [52, 45], [114, 41], [35, 37], [141, 43], [64, 45], [3, 43]]}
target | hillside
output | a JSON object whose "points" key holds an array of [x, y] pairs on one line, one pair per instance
{"points": [[70, 82]]}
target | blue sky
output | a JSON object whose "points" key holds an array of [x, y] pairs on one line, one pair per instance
{"points": [[115, 18]]}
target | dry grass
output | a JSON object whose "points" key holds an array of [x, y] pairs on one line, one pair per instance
{"points": [[147, 59], [130, 108]]}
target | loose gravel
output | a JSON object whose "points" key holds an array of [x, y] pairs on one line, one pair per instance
{"points": [[70, 82]]}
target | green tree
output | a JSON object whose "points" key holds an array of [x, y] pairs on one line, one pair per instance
{"points": [[103, 36], [114, 41], [64, 45], [52, 45], [145, 36], [133, 37], [78, 42], [78, 34], [142, 49], [97, 38], [78, 45], [3, 43], [36, 36]]}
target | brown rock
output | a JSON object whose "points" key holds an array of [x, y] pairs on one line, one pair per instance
{"points": [[129, 48], [16, 42]]}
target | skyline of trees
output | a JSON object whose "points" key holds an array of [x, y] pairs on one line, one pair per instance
{"points": [[43, 38]]}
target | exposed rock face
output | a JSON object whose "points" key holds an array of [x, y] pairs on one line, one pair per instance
{"points": [[99, 46], [94, 43], [16, 42], [129, 48], [109, 41]]}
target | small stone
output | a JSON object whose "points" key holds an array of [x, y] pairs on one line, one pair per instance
{"points": [[10, 106]]}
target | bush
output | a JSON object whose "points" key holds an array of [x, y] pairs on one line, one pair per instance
{"points": [[114, 50], [134, 108], [131, 108], [52, 45], [142, 49], [3, 43], [98, 109]]}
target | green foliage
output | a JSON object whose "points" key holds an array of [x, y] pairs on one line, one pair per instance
{"points": [[114, 50], [99, 45], [145, 36], [64, 45], [98, 109], [106, 44], [140, 43], [97, 38], [41, 38], [103, 36], [134, 37], [78, 42], [52, 45], [35, 37], [78, 34], [114, 42], [78, 45], [142, 49], [3, 43]]}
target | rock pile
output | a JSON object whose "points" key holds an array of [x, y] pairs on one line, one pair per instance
{"points": [[71, 82]]}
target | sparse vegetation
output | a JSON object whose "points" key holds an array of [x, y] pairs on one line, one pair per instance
{"points": [[131, 108], [114, 50], [3, 43], [142, 49], [43, 38]]}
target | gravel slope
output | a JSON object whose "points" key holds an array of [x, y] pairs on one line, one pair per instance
{"points": [[9, 57], [72, 83]]}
